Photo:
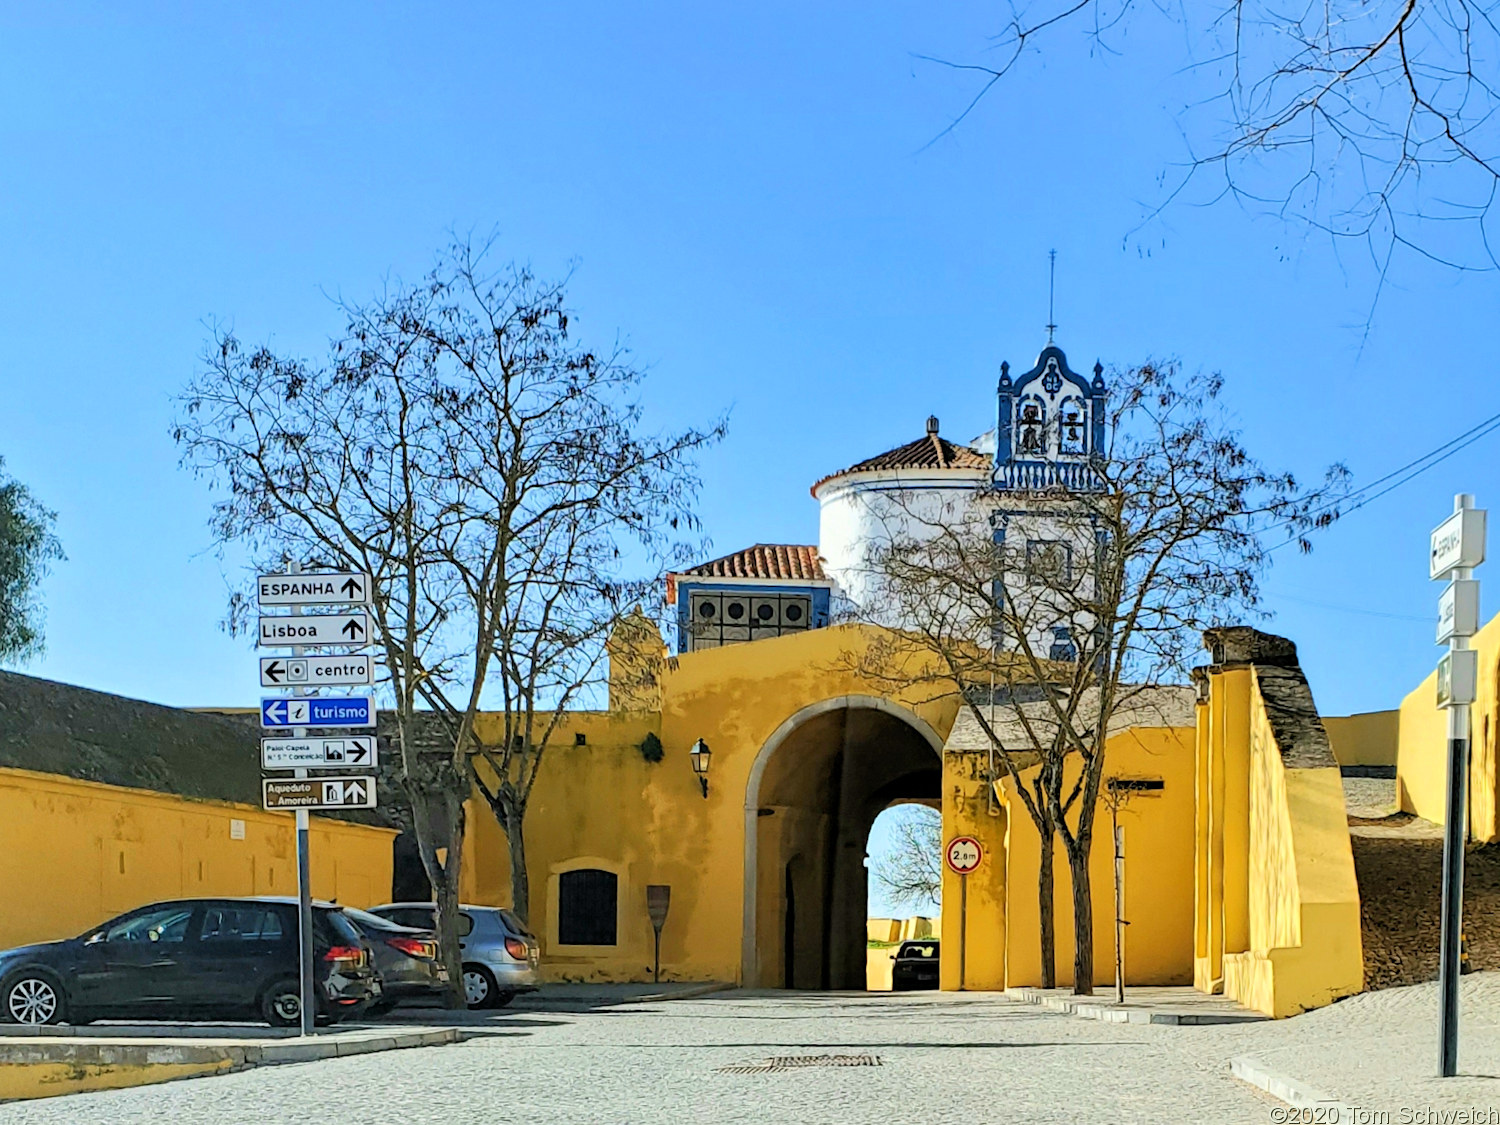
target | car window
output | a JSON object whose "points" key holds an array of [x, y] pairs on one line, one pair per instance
{"points": [[343, 931], [415, 916], [916, 950], [514, 924], [465, 925], [240, 923], [367, 921], [163, 924]]}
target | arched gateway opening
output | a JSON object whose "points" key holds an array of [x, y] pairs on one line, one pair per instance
{"points": [[814, 791]]}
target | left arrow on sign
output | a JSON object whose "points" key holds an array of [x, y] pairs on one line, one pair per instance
{"points": [[276, 711], [273, 671]]}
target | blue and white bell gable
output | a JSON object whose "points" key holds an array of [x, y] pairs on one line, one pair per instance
{"points": [[1049, 431]]}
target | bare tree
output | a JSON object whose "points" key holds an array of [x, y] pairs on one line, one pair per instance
{"points": [[911, 871], [1372, 121], [492, 474], [1056, 642]]}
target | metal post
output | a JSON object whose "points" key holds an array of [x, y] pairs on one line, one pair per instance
{"points": [[1119, 913], [1455, 832], [308, 1002], [963, 930]]}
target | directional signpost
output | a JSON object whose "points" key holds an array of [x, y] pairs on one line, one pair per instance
{"points": [[299, 671], [313, 589], [1456, 548], [317, 711], [317, 753], [318, 793], [316, 629], [295, 714]]}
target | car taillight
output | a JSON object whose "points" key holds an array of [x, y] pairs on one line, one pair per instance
{"points": [[516, 948], [409, 946], [345, 954]]}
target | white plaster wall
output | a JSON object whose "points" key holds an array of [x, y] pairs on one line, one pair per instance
{"points": [[863, 510]]}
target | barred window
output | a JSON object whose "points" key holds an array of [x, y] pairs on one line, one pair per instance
{"points": [[587, 907]]}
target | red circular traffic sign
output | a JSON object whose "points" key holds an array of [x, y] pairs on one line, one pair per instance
{"points": [[963, 854]]}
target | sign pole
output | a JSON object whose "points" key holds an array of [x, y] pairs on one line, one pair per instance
{"points": [[963, 855], [1457, 547], [304, 879], [963, 930]]}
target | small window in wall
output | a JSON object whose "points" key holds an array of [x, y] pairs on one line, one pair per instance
{"points": [[587, 907]]}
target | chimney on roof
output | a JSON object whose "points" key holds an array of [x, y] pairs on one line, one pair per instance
{"points": [[932, 425]]}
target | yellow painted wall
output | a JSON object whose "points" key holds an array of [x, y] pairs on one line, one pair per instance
{"points": [[1367, 739], [74, 853], [883, 929], [1158, 871], [973, 923], [1293, 883], [1422, 757], [603, 805]]}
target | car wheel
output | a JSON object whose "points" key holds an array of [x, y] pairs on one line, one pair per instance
{"points": [[32, 998], [281, 1004], [480, 990]]}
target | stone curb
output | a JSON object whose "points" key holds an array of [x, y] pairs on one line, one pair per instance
{"points": [[682, 994], [1090, 1009], [1296, 1094], [139, 1052]]}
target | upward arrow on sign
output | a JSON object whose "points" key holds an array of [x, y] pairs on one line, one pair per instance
{"points": [[353, 588], [353, 629]]}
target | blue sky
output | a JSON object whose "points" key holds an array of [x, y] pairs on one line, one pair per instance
{"points": [[748, 196]]}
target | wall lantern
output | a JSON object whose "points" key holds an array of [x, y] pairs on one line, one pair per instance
{"points": [[700, 758]]}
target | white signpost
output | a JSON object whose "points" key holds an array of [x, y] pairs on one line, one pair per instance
{"points": [[355, 670], [313, 589], [1456, 547], [296, 714], [316, 629], [318, 753]]}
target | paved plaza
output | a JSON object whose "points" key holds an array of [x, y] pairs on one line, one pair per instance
{"points": [[943, 1058]]}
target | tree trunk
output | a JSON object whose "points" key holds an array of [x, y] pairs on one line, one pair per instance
{"points": [[1083, 918], [1046, 912], [520, 882], [445, 891]]}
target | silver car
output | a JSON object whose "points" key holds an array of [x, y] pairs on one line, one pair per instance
{"points": [[499, 952]]}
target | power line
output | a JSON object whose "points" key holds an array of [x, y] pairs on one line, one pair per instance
{"points": [[1408, 472]]}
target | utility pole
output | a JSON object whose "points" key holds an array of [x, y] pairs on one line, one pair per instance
{"points": [[1457, 546]]}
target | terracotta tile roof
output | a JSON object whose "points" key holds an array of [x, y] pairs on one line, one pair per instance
{"points": [[764, 560], [928, 452]]}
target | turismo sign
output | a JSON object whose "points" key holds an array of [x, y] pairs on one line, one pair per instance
{"points": [[318, 711], [318, 793], [313, 589]]}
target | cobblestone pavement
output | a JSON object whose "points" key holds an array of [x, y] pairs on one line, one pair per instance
{"points": [[944, 1058]]}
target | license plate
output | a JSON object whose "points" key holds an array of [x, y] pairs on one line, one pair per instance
{"points": [[442, 974]]}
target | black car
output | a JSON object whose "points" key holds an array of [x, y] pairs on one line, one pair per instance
{"points": [[193, 958], [916, 966], [405, 957]]}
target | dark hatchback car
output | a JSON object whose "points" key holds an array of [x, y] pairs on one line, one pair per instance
{"points": [[916, 966], [192, 958], [405, 957]]}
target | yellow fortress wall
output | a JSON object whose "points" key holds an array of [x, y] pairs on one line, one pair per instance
{"points": [[73, 853], [1277, 922], [1421, 763], [601, 805], [1158, 871]]}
